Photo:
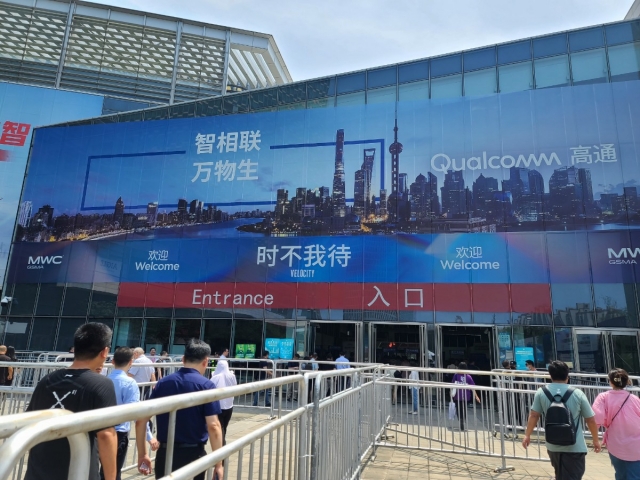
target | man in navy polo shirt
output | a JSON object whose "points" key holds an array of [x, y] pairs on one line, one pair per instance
{"points": [[194, 425]]}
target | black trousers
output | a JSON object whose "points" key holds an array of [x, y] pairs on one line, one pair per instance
{"points": [[568, 466], [181, 457], [225, 418], [123, 446], [461, 408]]}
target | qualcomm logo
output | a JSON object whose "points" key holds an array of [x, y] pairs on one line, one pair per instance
{"points": [[441, 162], [38, 263], [158, 261], [471, 259], [625, 256]]}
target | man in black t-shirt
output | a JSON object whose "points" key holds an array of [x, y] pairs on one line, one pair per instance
{"points": [[77, 388], [6, 373]]}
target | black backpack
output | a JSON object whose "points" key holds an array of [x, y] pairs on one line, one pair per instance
{"points": [[559, 425]]}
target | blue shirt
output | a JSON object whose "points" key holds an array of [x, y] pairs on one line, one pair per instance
{"points": [[344, 363], [191, 426], [127, 391]]}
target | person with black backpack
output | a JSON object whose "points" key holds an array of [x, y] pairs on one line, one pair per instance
{"points": [[564, 407]]}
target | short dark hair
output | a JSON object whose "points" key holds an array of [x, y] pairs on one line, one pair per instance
{"points": [[505, 364], [462, 366], [90, 339], [558, 370], [529, 362], [265, 353], [619, 377], [196, 351], [122, 356]]}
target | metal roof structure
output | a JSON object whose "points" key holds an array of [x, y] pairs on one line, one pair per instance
{"points": [[88, 47]]}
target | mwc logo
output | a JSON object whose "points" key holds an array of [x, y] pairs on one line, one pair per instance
{"points": [[624, 256], [38, 263]]}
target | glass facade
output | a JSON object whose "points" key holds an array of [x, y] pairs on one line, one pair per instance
{"points": [[503, 196]]}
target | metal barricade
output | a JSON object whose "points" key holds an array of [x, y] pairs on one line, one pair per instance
{"points": [[278, 438]]}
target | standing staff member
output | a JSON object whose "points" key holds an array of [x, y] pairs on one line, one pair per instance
{"points": [[221, 378], [194, 425]]}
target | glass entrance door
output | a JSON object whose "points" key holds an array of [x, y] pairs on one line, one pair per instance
{"points": [[598, 351], [395, 343], [332, 338]]}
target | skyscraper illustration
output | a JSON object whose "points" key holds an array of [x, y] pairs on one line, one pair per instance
{"points": [[362, 188], [339, 204], [395, 149]]}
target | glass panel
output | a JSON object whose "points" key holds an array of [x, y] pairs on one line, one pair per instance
{"points": [[76, 299], [477, 59], [184, 330], [615, 305], [49, 299], [514, 52], [263, 99], [321, 88], [279, 329], [128, 332], [381, 77], [350, 99], [572, 305], [585, 39], [68, 327], [591, 353], [552, 72], [247, 332], [538, 338], [446, 87], [414, 91], [623, 33], [321, 103], [547, 46], [156, 335], [292, 93], [182, 111], [157, 114], [481, 82], [564, 346], [331, 339], [397, 343], [17, 333], [236, 104], [351, 83], [625, 353], [209, 108], [293, 106], [44, 334], [217, 333], [589, 67], [24, 298], [103, 300], [505, 344], [413, 71], [381, 95], [624, 62], [515, 78], [446, 65]]}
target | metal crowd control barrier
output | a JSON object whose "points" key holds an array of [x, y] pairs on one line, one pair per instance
{"points": [[283, 465]]}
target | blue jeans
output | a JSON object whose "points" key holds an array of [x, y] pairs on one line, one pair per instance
{"points": [[416, 398], [267, 397], [625, 470]]}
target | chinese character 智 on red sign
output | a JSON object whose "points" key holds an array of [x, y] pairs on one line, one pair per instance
{"points": [[14, 133]]}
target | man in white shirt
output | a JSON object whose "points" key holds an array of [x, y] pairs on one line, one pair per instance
{"points": [[225, 354], [342, 363], [142, 371]]}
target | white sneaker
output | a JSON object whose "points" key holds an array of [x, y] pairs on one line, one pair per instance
{"points": [[414, 413]]}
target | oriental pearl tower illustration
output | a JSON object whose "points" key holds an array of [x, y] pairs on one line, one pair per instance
{"points": [[395, 198]]}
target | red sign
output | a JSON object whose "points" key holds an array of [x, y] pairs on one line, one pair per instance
{"points": [[445, 297], [14, 133]]}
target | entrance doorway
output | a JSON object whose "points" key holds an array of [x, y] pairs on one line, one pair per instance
{"points": [[333, 338], [471, 344], [395, 343], [598, 351]]}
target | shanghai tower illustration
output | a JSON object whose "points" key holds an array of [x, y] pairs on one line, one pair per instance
{"points": [[338, 196]]}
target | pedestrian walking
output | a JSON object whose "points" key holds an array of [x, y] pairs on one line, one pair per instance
{"points": [[78, 389], [342, 363], [462, 396], [6, 373], [293, 367], [563, 407], [126, 392], [414, 376], [142, 371], [11, 353], [619, 412], [194, 425], [262, 373], [223, 377]]}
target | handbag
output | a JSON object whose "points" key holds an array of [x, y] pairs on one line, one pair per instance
{"points": [[452, 410], [604, 438]]}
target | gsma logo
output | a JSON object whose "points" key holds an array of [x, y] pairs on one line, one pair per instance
{"points": [[625, 256], [38, 263]]}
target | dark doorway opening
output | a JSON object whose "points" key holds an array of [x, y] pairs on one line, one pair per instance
{"points": [[470, 344]]}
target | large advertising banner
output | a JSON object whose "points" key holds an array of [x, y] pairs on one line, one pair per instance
{"points": [[376, 206], [22, 109]]}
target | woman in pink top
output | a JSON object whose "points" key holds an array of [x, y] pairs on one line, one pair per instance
{"points": [[619, 412]]}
